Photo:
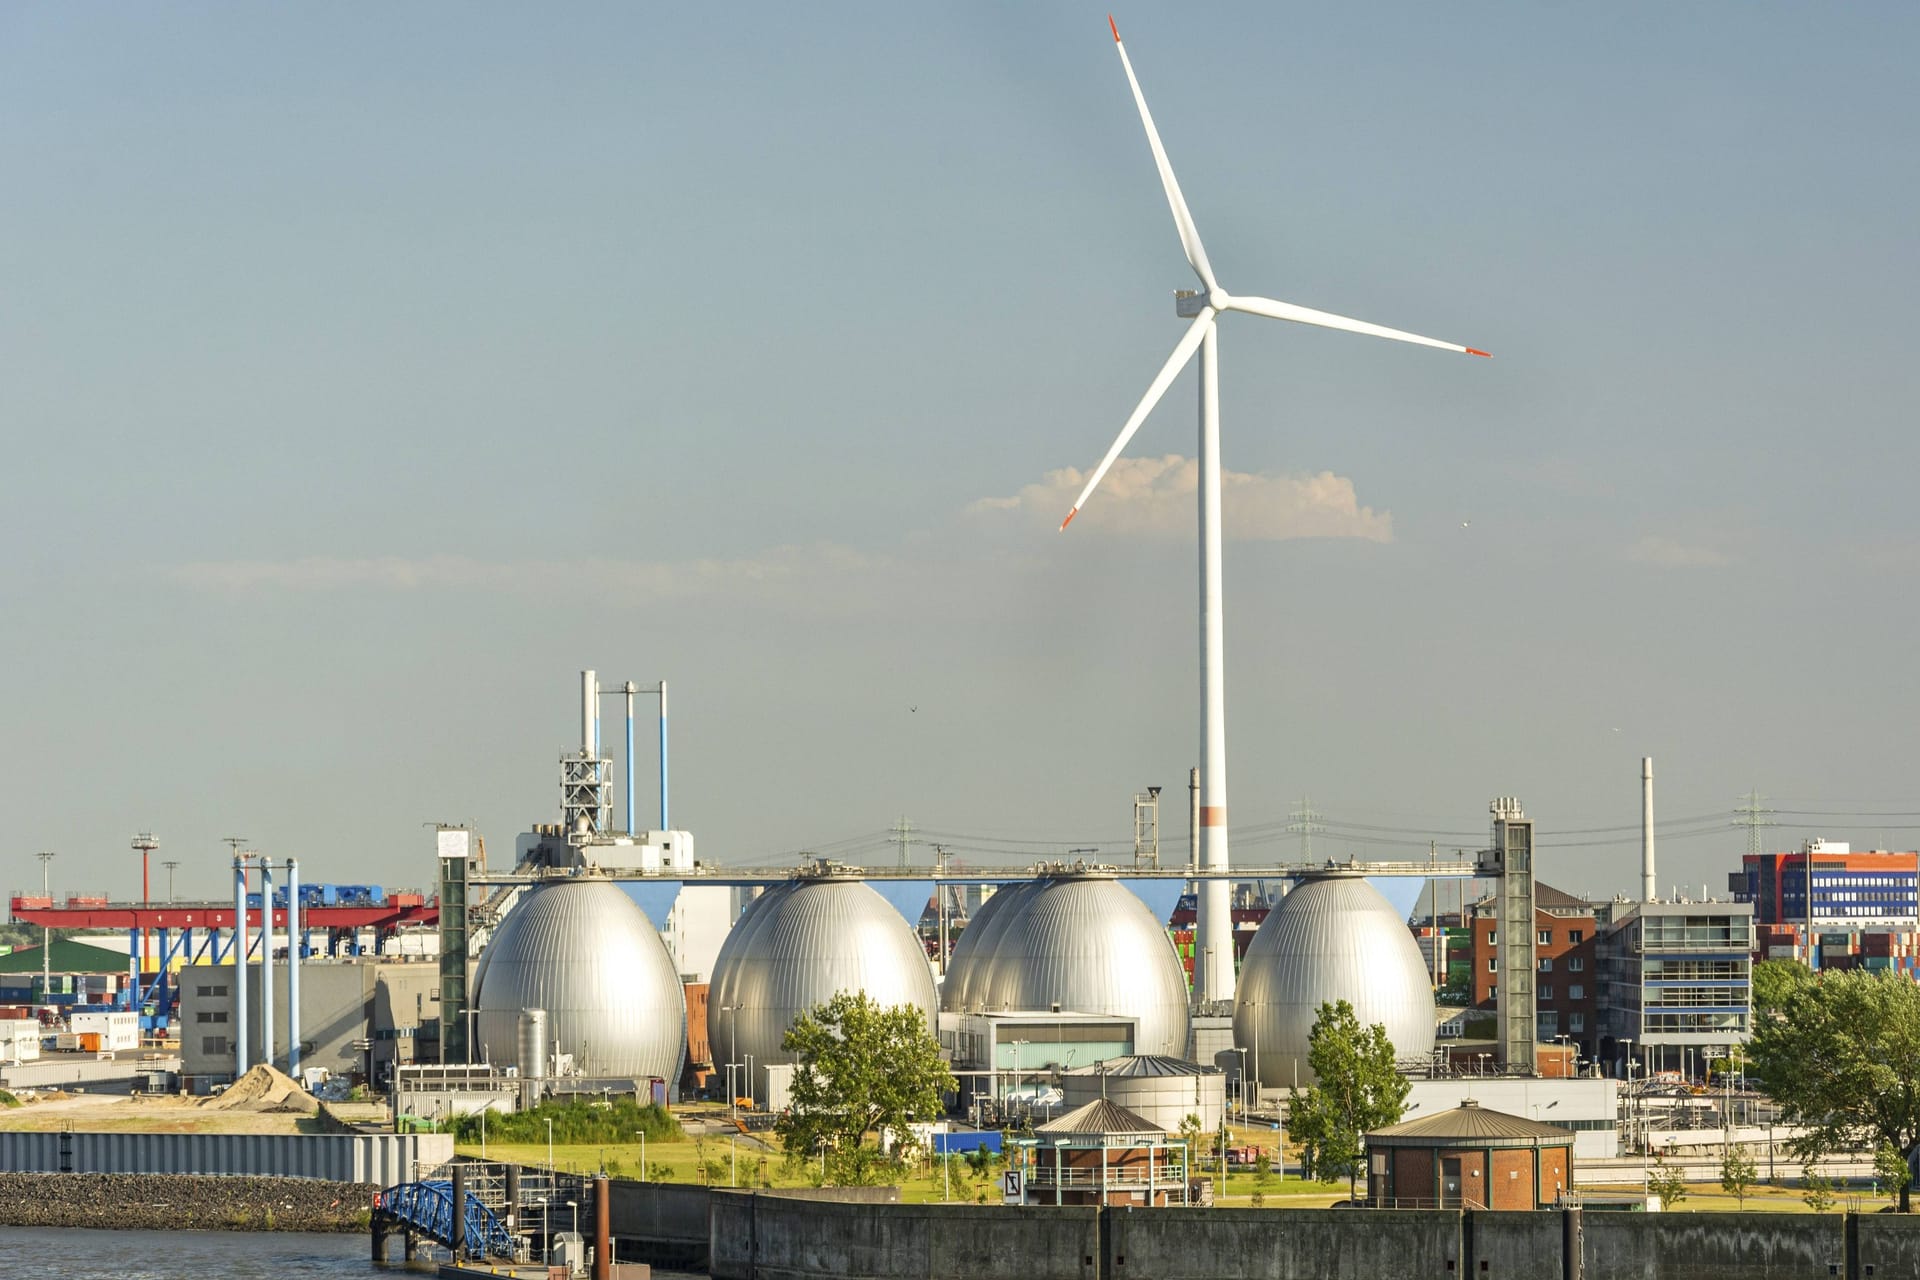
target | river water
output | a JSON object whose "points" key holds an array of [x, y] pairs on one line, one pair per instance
{"points": [[44, 1253]]}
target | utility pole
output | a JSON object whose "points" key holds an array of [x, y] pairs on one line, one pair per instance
{"points": [[903, 836], [46, 931], [170, 864], [1752, 815], [940, 891], [1305, 822]]}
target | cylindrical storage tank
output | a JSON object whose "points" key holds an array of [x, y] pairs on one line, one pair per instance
{"points": [[1163, 1090], [1332, 938], [584, 952], [801, 943], [1081, 943], [531, 1057]]}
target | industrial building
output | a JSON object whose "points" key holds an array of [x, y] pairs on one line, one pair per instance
{"points": [[1567, 989], [357, 1018], [1469, 1158], [1678, 984]]}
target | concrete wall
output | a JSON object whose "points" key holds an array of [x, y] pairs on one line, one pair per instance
{"points": [[383, 1159], [1712, 1246], [763, 1237], [1513, 1246], [664, 1223], [1260, 1244], [1889, 1243]]}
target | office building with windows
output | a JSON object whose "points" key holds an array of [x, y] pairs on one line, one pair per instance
{"points": [[1677, 980]]}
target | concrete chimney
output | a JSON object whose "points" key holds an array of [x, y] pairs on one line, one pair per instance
{"points": [[1647, 885]]}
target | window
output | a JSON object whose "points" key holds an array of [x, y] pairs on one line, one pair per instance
{"points": [[214, 1045], [1493, 993], [1576, 963], [1576, 992], [1545, 937], [1493, 937], [1546, 993], [1576, 1022], [220, 990], [1575, 936], [1546, 964], [1493, 964], [211, 1015]]}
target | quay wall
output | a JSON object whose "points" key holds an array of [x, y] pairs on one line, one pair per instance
{"points": [[756, 1236], [176, 1202], [1254, 1244], [380, 1158]]}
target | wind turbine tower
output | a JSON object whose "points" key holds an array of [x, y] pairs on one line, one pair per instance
{"points": [[1213, 942]]}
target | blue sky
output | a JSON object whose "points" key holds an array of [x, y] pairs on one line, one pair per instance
{"points": [[368, 371]]}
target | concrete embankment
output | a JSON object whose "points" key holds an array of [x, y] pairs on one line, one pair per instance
{"points": [[181, 1202]]}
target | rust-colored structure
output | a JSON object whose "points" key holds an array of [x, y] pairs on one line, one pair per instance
{"points": [[698, 1068], [1469, 1158]]}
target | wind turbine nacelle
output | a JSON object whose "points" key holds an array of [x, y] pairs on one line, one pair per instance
{"points": [[1188, 303]]}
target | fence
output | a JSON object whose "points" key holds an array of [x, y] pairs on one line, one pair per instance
{"points": [[384, 1159]]}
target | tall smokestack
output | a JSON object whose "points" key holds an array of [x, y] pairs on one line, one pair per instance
{"points": [[589, 714], [1646, 829]]}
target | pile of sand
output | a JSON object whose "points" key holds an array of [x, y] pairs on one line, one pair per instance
{"points": [[264, 1089]]}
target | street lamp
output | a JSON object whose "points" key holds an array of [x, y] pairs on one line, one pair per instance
{"points": [[1016, 1066], [1243, 1082], [575, 1206], [642, 1135], [471, 1015], [549, 1148]]}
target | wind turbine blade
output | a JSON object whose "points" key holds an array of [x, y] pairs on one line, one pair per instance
{"points": [[1327, 320], [1182, 352], [1182, 219]]}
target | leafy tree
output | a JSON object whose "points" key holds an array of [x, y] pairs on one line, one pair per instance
{"points": [[1355, 1089], [860, 1068], [1842, 1060], [1774, 983], [1818, 1192], [1666, 1182], [1890, 1169], [1737, 1173], [1190, 1134]]}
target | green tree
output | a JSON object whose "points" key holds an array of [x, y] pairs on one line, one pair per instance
{"points": [[1890, 1169], [1842, 1061], [1774, 983], [1737, 1173], [1355, 1089], [860, 1069], [1818, 1192], [1666, 1182]]}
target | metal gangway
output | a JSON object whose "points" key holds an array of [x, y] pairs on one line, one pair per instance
{"points": [[426, 1207]]}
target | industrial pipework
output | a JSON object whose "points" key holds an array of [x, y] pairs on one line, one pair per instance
{"points": [[240, 964]]}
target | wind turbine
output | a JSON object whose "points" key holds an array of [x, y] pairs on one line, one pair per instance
{"points": [[1213, 950]]}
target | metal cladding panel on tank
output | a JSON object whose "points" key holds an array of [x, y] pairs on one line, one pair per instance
{"points": [[797, 946], [1332, 938], [584, 951], [970, 958], [1087, 945]]}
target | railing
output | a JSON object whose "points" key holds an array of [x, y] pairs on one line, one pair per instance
{"points": [[427, 1207], [1117, 1179]]}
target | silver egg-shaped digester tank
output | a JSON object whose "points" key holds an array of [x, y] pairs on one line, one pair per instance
{"points": [[1080, 942], [585, 952], [1334, 937], [798, 945]]}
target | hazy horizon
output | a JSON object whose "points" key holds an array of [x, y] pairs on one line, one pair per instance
{"points": [[371, 371]]}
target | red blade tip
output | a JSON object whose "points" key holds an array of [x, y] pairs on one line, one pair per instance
{"points": [[1069, 520], [1472, 352], [1116, 29]]}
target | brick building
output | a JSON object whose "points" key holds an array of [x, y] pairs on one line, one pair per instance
{"points": [[1469, 1158], [1566, 982]]}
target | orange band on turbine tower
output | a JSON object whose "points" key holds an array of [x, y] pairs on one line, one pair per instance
{"points": [[1116, 30], [1213, 815]]}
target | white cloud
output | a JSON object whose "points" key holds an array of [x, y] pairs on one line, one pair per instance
{"points": [[1155, 497], [779, 568], [1669, 554]]}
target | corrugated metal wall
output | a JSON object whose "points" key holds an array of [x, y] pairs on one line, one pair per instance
{"points": [[383, 1159]]}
